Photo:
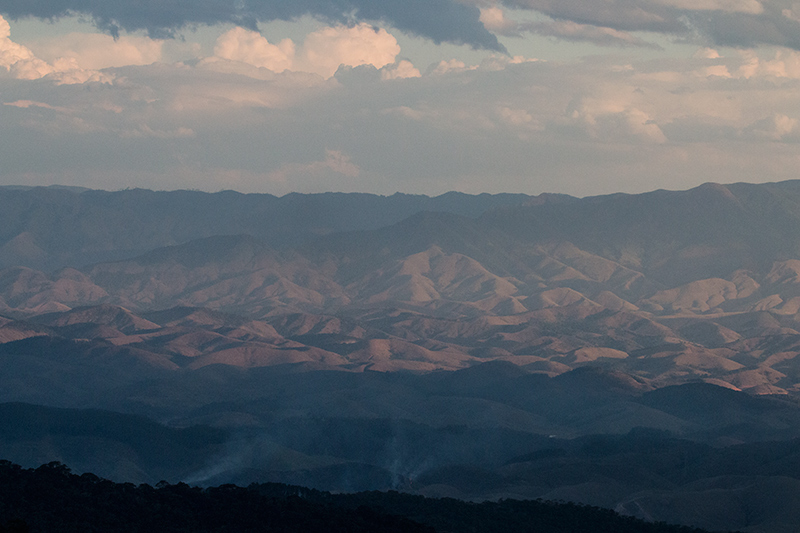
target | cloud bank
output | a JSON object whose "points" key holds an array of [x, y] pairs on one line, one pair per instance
{"points": [[249, 123], [439, 20], [737, 23], [343, 109]]}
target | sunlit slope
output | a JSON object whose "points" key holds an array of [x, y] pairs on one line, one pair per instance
{"points": [[668, 286]]}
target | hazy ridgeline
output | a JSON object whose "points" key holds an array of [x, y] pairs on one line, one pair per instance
{"points": [[635, 352]]}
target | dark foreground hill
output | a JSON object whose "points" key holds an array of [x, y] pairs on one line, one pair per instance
{"points": [[50, 498]]}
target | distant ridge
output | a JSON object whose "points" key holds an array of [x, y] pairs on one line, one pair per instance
{"points": [[53, 227]]}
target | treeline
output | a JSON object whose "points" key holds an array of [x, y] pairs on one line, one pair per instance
{"points": [[51, 498]]}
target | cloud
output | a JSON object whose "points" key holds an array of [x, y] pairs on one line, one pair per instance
{"points": [[21, 63], [18, 59], [252, 48], [792, 12], [599, 35], [439, 20], [495, 20], [146, 131], [613, 119], [210, 88], [519, 119], [738, 23], [624, 15], [785, 64], [753, 7], [706, 53], [335, 165], [451, 65], [322, 52], [95, 51], [748, 30], [775, 128], [589, 126], [25, 104], [400, 70]]}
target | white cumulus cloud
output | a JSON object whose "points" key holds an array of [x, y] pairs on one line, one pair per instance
{"points": [[325, 50], [18, 59], [254, 49], [403, 69], [451, 65], [23, 64], [322, 52], [494, 19]]}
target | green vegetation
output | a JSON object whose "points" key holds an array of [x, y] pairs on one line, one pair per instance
{"points": [[51, 498]]}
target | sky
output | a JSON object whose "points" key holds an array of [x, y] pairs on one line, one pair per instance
{"points": [[582, 97]]}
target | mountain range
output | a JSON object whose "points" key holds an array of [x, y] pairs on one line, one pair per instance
{"points": [[622, 350], [668, 286]]}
